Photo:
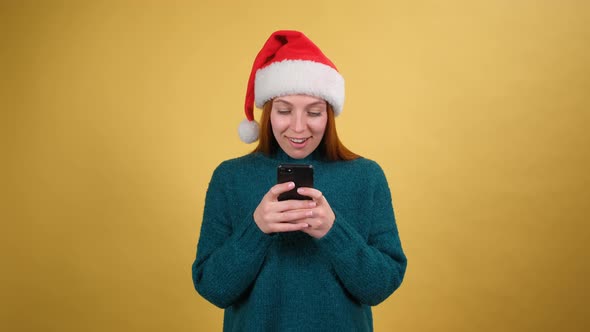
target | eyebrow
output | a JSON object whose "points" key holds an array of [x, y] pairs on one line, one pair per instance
{"points": [[306, 106]]}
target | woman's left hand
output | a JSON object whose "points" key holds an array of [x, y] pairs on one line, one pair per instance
{"points": [[322, 218]]}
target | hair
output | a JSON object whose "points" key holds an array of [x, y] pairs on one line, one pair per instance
{"points": [[330, 148]]}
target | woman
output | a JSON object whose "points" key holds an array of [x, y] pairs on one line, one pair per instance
{"points": [[297, 265]]}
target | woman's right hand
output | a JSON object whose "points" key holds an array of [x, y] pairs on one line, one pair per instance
{"points": [[274, 216]]}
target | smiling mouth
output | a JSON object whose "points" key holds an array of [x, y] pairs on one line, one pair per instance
{"points": [[298, 140]]}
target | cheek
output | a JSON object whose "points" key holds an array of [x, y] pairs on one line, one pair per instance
{"points": [[318, 125], [279, 124], [274, 122]]}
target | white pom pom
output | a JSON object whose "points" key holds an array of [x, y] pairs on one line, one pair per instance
{"points": [[248, 131]]}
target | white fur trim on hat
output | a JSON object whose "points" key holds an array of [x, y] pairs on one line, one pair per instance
{"points": [[299, 77], [248, 131]]}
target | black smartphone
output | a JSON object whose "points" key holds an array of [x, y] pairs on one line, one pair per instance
{"points": [[301, 174]]}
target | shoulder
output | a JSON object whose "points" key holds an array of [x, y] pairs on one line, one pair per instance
{"points": [[368, 164], [373, 179], [224, 172], [239, 166], [363, 166], [234, 163], [368, 172], [362, 171]]}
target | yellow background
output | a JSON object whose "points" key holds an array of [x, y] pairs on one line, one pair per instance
{"points": [[114, 114]]}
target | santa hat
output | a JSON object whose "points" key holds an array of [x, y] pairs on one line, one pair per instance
{"points": [[289, 63]]}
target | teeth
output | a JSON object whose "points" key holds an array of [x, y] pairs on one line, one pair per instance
{"points": [[298, 140]]}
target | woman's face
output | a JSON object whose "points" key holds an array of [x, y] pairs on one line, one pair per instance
{"points": [[298, 123]]}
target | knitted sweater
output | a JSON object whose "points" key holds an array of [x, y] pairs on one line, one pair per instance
{"points": [[292, 281]]}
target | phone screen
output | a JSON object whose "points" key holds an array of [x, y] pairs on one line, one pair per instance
{"points": [[300, 174]]}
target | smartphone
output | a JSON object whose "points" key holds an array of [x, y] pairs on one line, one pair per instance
{"points": [[301, 174]]}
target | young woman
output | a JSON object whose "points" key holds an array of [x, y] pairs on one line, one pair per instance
{"points": [[297, 265]]}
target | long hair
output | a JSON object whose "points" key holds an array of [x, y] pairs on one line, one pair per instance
{"points": [[330, 148]]}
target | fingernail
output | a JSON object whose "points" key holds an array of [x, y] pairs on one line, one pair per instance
{"points": [[310, 213], [312, 203], [300, 190], [291, 184]]}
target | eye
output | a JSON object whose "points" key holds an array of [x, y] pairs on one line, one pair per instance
{"points": [[283, 111], [314, 113]]}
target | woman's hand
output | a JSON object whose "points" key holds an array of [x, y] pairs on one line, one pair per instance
{"points": [[322, 217], [274, 216]]}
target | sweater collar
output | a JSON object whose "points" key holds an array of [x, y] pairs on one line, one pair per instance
{"points": [[285, 158]]}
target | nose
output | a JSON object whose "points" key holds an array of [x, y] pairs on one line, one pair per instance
{"points": [[298, 122]]}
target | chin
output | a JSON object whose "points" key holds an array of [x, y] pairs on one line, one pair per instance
{"points": [[297, 154]]}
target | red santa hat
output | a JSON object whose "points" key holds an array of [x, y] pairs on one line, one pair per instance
{"points": [[289, 63]]}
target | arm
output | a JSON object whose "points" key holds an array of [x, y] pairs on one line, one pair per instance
{"points": [[372, 269], [228, 260]]}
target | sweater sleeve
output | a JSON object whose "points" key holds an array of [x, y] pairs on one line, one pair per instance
{"points": [[228, 259], [370, 270]]}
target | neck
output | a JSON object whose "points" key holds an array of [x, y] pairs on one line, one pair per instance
{"points": [[282, 156]]}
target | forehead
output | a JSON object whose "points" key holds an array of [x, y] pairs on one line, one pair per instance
{"points": [[299, 99]]}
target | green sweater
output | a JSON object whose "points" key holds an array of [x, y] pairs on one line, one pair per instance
{"points": [[291, 281]]}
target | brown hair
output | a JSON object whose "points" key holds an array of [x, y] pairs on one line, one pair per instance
{"points": [[330, 148]]}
